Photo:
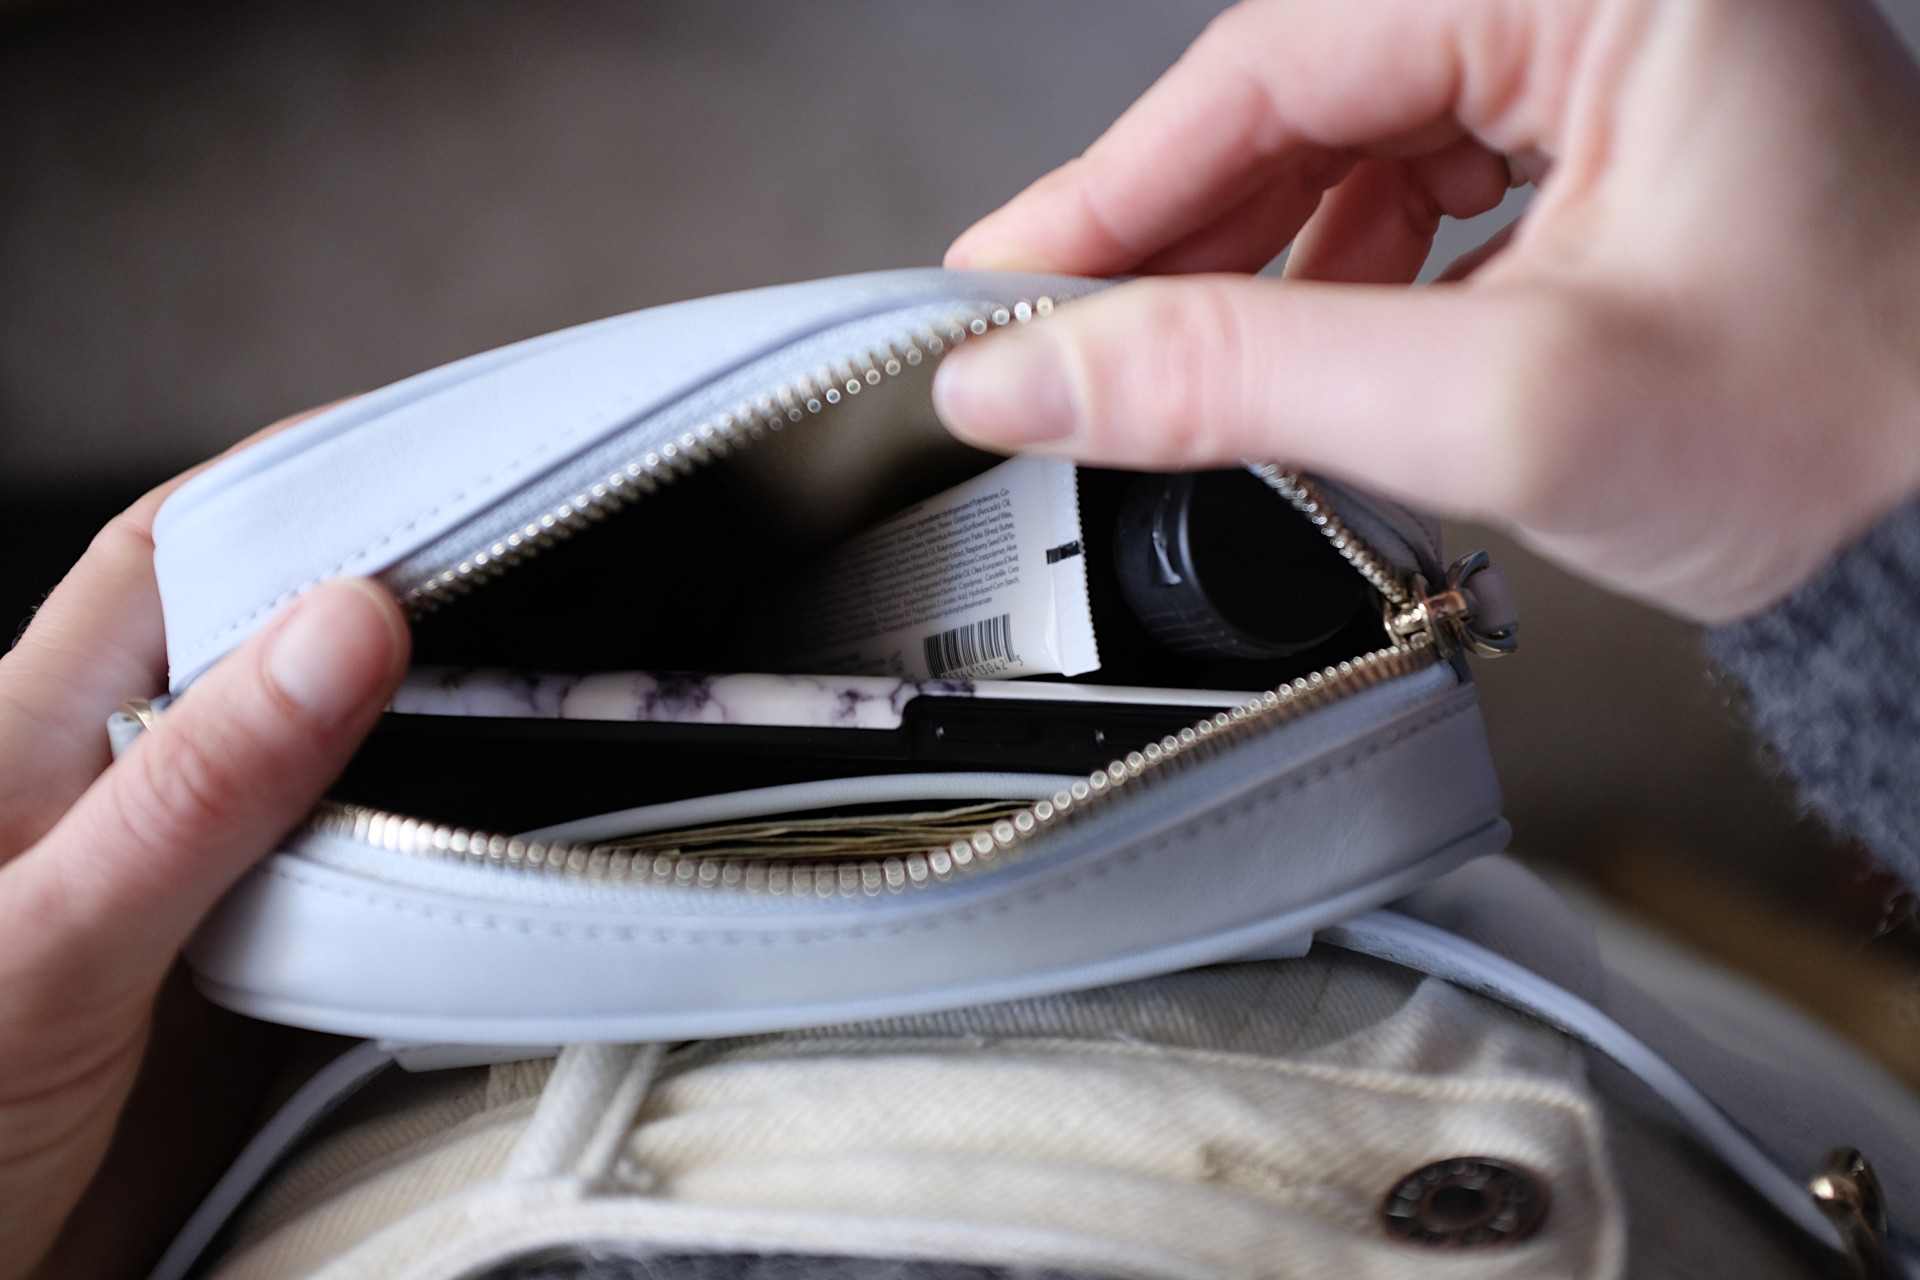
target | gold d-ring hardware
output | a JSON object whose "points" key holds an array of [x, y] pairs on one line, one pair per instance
{"points": [[1450, 614], [1848, 1192], [143, 711]]}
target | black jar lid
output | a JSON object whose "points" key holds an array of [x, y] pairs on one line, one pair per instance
{"points": [[1217, 563]]}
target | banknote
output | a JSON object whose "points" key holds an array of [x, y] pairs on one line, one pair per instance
{"points": [[833, 837]]}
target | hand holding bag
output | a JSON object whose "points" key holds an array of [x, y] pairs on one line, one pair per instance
{"points": [[599, 508], [575, 503]]}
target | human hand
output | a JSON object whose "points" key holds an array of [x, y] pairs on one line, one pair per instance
{"points": [[1692, 374], [105, 871]]}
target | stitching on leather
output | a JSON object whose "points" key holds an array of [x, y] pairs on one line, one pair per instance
{"points": [[623, 403], [619, 405], [495, 920]]}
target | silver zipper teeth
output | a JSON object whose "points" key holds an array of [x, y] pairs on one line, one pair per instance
{"points": [[727, 433], [996, 845], [1311, 503]]}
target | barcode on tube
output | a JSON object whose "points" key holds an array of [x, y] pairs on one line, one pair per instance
{"points": [[967, 646]]}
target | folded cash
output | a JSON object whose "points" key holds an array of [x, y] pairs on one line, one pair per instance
{"points": [[870, 835]]}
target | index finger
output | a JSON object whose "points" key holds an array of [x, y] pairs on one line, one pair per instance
{"points": [[1286, 91]]}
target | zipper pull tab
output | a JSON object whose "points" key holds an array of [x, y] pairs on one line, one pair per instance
{"points": [[135, 717], [1474, 611]]}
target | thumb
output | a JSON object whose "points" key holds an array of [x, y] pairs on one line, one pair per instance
{"points": [[1421, 395], [110, 894]]}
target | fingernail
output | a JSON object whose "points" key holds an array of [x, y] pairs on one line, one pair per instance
{"points": [[1010, 390], [335, 652]]}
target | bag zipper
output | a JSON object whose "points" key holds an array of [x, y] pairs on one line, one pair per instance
{"points": [[994, 845], [1424, 629], [751, 420]]}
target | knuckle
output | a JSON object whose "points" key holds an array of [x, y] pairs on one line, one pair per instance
{"points": [[1231, 26], [1182, 380], [46, 1116], [1544, 409], [1469, 181], [190, 786], [129, 531]]}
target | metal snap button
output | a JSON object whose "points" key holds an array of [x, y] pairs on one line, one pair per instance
{"points": [[1469, 1202]]}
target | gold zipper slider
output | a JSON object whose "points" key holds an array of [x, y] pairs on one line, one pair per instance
{"points": [[1474, 611]]}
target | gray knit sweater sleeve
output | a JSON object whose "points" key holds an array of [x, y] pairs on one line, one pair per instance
{"points": [[1833, 674]]}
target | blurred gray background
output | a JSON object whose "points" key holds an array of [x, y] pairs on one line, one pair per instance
{"points": [[215, 214]]}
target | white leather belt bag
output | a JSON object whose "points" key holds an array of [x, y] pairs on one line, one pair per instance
{"points": [[473, 491]]}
